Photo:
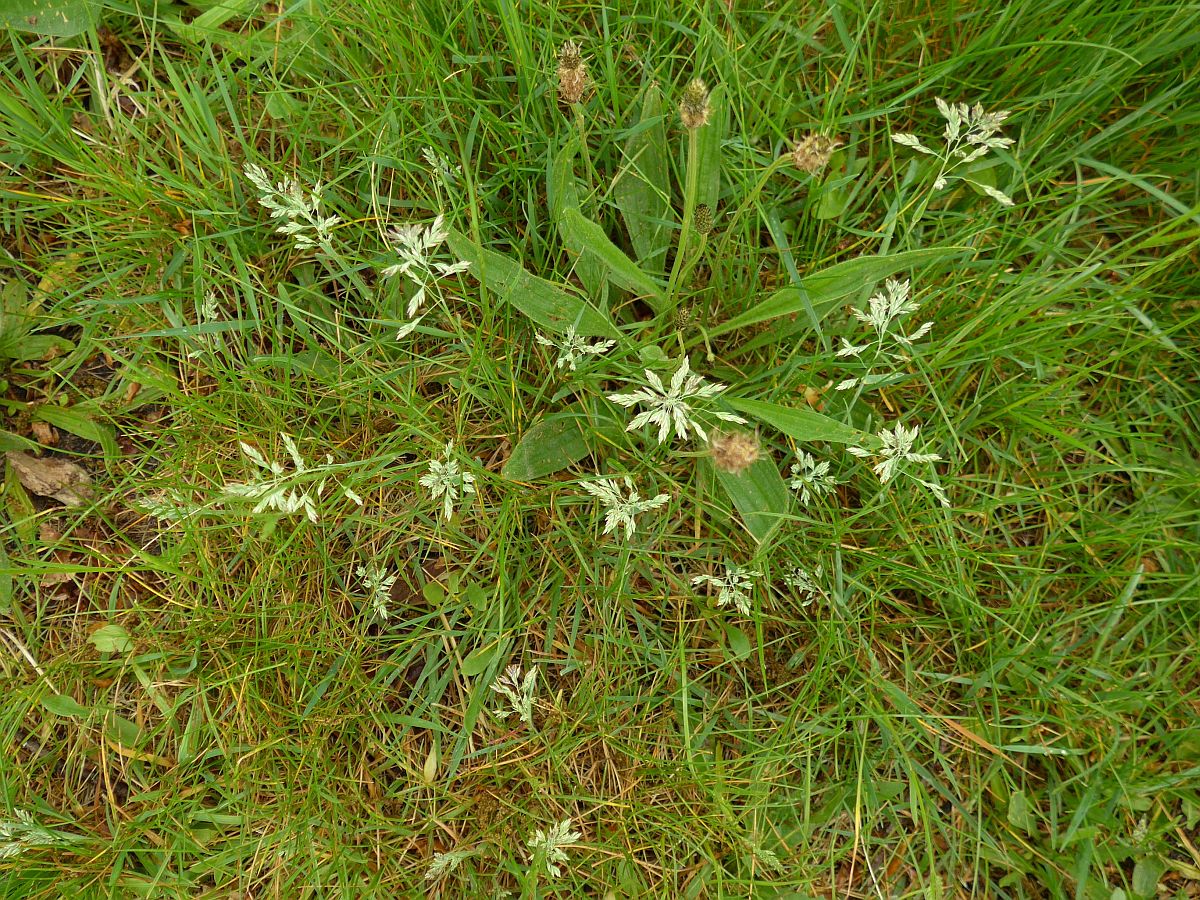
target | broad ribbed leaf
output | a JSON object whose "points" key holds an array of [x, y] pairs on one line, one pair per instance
{"points": [[550, 446], [826, 288], [643, 188], [622, 270], [802, 424], [760, 496], [544, 302], [562, 192]]}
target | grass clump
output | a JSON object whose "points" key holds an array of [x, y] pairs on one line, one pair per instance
{"points": [[568, 451]]}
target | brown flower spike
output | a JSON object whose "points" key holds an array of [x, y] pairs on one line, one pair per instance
{"points": [[812, 152], [693, 106], [572, 73], [734, 452]]}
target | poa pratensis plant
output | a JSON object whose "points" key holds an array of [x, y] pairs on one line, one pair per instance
{"points": [[518, 690], [970, 134], [621, 507], [301, 212], [546, 847]]}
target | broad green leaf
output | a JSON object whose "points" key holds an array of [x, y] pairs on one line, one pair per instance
{"points": [[111, 639], [710, 138], [802, 424], [82, 423], [62, 705], [643, 190], [622, 270], [834, 198], [546, 303], [739, 643], [824, 289], [1146, 873], [10, 441], [551, 445], [121, 730], [561, 194], [760, 496], [478, 661], [1019, 814], [52, 18]]}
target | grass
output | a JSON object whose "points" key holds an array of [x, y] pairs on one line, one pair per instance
{"points": [[996, 699]]}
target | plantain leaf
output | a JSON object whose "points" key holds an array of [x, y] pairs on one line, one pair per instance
{"points": [[642, 189], [803, 424], [760, 496], [551, 445], [824, 289], [544, 302], [708, 188], [52, 18], [622, 270], [81, 422], [562, 193]]}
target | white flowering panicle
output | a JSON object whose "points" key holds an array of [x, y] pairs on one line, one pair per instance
{"points": [[445, 863], [667, 407], [621, 508], [811, 479], [378, 584], [282, 491], [25, 832], [548, 846], [883, 313], [735, 587], [416, 246], [518, 690], [170, 505], [970, 134], [573, 347], [441, 166], [446, 480], [806, 584], [301, 212], [896, 453]]}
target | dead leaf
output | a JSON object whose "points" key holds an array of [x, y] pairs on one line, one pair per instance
{"points": [[44, 433], [48, 477]]}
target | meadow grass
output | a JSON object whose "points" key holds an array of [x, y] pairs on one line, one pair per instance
{"points": [[996, 698]]}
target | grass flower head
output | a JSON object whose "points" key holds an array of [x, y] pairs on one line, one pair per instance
{"points": [[811, 479], [735, 587], [446, 480], [301, 212], [572, 347], [897, 450], [667, 407], [518, 691], [621, 508], [548, 846], [415, 247]]}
